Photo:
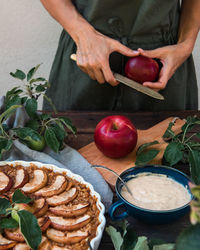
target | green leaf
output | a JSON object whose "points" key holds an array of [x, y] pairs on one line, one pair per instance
{"points": [[5, 145], [4, 204], [33, 124], [32, 72], [40, 88], [123, 224], [68, 123], [18, 74], [47, 84], [8, 112], [12, 92], [44, 117], [169, 134], [8, 223], [50, 102], [145, 146], [5, 127], [39, 79], [59, 132], [130, 240], [194, 163], [196, 192], [51, 139], [147, 156], [194, 217], [24, 99], [189, 239], [115, 236], [15, 100], [173, 153], [19, 197], [193, 144], [168, 246], [141, 244], [31, 107], [191, 121], [198, 135], [30, 229], [27, 134]]}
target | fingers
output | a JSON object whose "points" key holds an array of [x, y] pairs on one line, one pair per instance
{"points": [[117, 46], [100, 72], [99, 76], [164, 76], [155, 53], [109, 77]]}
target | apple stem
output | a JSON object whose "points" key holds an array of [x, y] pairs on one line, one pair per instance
{"points": [[114, 126]]}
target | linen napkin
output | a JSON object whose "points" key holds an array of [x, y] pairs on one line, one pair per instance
{"points": [[68, 158]]}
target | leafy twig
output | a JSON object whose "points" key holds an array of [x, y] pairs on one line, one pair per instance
{"points": [[185, 149], [13, 217], [41, 129]]}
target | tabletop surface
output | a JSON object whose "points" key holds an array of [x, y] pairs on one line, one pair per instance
{"points": [[86, 123]]}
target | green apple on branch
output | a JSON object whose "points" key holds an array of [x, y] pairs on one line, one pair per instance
{"points": [[41, 129]]}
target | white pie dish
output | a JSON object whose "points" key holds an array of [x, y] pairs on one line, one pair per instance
{"points": [[96, 240]]}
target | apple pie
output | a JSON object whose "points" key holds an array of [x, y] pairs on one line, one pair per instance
{"points": [[69, 214]]}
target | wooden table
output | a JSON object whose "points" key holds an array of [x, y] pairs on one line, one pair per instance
{"points": [[86, 123]]}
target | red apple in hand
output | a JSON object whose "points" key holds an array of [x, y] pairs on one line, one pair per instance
{"points": [[142, 69], [115, 136]]}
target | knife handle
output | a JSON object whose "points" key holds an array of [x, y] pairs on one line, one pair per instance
{"points": [[73, 57]]}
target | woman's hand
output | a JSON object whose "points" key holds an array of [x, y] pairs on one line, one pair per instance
{"points": [[92, 55], [171, 57]]}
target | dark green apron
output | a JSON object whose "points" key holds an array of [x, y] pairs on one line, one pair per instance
{"points": [[148, 24]]}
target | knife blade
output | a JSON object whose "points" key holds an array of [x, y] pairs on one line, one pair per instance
{"points": [[137, 86], [134, 85]]}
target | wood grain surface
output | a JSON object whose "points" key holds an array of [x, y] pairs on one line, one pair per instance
{"points": [[95, 157], [86, 123]]}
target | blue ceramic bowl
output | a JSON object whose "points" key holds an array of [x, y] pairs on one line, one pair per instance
{"points": [[147, 215]]}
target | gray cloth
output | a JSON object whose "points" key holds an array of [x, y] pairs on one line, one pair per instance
{"points": [[68, 158]]}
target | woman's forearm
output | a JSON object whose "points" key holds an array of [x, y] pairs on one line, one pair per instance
{"points": [[93, 48], [189, 23], [66, 14]]}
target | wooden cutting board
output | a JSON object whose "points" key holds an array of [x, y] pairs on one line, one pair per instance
{"points": [[95, 157]]}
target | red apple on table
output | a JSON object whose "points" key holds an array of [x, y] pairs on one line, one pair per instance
{"points": [[142, 69], [115, 136]]}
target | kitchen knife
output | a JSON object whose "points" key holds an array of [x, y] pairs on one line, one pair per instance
{"points": [[135, 85]]}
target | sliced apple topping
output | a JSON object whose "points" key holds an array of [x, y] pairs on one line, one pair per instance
{"points": [[57, 187], [40, 207], [21, 246], [6, 182], [63, 198], [70, 211], [38, 181], [70, 184], [14, 234], [67, 238], [61, 223], [21, 178], [54, 247], [5, 243], [44, 223], [45, 244]]}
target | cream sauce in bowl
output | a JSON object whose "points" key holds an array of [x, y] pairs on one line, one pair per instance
{"points": [[156, 192]]}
